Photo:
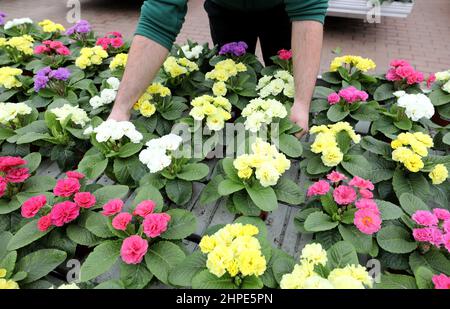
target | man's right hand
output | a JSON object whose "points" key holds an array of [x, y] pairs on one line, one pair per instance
{"points": [[119, 115]]}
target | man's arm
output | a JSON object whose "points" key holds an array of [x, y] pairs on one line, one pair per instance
{"points": [[307, 18], [144, 60], [159, 24], [306, 48]]}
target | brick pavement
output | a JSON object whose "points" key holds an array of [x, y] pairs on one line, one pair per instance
{"points": [[421, 38]]}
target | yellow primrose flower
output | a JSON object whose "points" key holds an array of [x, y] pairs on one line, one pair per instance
{"points": [[268, 163], [362, 64], [220, 89], [90, 56], [332, 156], [50, 27], [177, 67], [119, 61], [235, 250], [8, 77], [414, 163], [439, 174], [216, 110]]}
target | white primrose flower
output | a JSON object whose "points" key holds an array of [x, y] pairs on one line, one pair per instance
{"points": [[281, 82], [260, 111], [9, 111], [155, 156], [88, 131], [115, 130], [443, 76], [17, 22], [113, 82], [399, 93], [76, 114], [446, 87], [193, 53], [108, 95], [417, 106], [96, 102]]}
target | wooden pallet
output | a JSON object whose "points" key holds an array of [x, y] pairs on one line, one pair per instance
{"points": [[361, 8]]}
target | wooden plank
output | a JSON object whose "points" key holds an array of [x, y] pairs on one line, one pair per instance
{"points": [[275, 223], [291, 234], [221, 215]]}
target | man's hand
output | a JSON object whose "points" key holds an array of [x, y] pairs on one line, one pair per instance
{"points": [[119, 115], [300, 116]]}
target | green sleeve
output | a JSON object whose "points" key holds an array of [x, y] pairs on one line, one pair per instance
{"points": [[307, 9], [161, 20]]}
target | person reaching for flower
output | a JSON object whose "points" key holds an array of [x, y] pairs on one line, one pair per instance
{"points": [[276, 24]]}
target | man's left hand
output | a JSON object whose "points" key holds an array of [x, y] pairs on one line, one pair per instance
{"points": [[300, 116]]}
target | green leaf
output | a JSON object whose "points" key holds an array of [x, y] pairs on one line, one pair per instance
{"points": [[411, 203], [93, 166], [112, 284], [344, 141], [33, 161], [342, 254], [135, 276], [446, 138], [162, 257], [244, 204], [404, 124], [107, 193], [210, 192], [388, 210], [38, 184], [193, 171], [100, 260], [263, 197], [290, 145], [328, 204], [357, 166], [82, 236], [148, 192], [384, 92], [252, 282], [362, 242], [229, 169], [182, 224], [184, 272], [289, 192], [315, 166], [97, 224], [393, 281], [396, 239], [337, 113], [375, 146], [179, 191], [129, 149], [39, 263], [281, 266], [332, 78], [433, 259], [8, 263], [228, 186], [439, 97], [414, 183], [206, 280], [26, 235], [319, 221], [424, 278], [321, 92]]}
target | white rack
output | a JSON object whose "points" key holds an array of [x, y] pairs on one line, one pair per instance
{"points": [[361, 8]]}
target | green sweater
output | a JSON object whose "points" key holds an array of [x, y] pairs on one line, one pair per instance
{"points": [[161, 20]]}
